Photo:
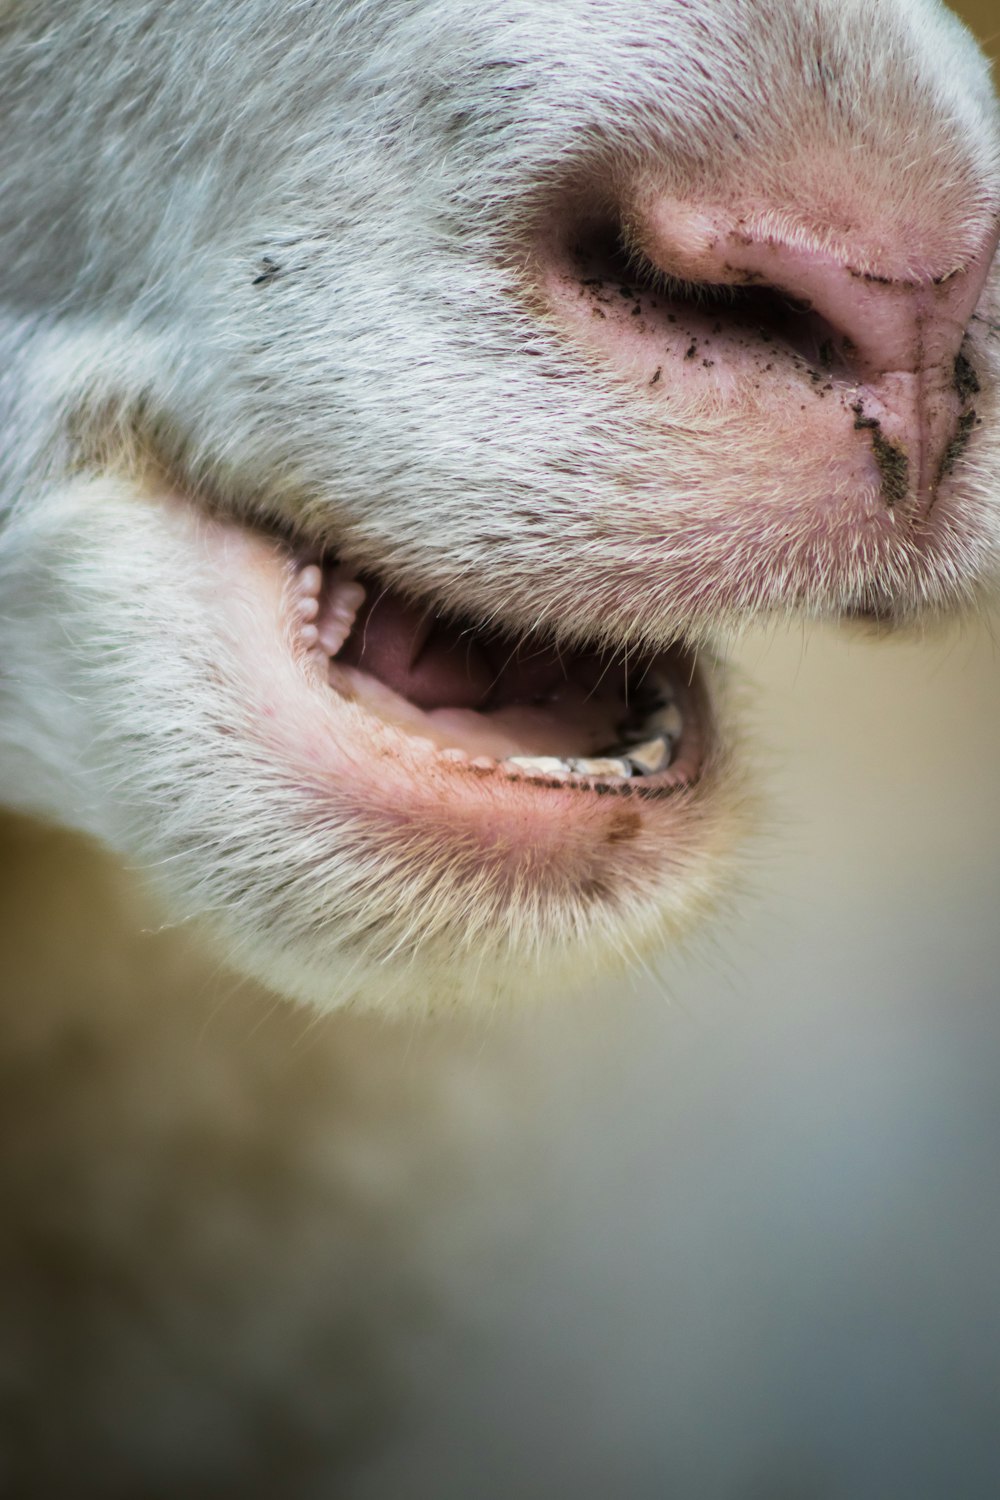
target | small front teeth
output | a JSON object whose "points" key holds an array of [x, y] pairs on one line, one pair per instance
{"points": [[307, 587], [326, 622], [341, 608]]}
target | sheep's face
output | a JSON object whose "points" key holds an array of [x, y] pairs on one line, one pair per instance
{"points": [[430, 385]]}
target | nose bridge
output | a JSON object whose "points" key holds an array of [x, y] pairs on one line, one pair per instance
{"points": [[882, 323], [901, 338]]}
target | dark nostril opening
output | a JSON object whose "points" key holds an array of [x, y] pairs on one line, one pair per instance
{"points": [[613, 272]]}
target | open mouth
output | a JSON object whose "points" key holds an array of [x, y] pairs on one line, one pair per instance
{"points": [[520, 708]]}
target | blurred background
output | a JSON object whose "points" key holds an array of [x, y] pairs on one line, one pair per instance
{"points": [[730, 1233], [764, 1260]]}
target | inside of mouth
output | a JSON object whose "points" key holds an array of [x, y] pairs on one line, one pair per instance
{"points": [[479, 692]]}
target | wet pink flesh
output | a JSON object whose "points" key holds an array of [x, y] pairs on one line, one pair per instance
{"points": [[436, 664], [399, 645]]}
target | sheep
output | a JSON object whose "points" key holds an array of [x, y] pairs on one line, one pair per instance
{"points": [[401, 400]]}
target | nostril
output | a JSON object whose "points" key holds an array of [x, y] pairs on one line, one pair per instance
{"points": [[618, 277], [847, 344], [795, 323]]}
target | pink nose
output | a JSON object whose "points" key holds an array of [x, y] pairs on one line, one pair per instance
{"points": [[894, 334]]}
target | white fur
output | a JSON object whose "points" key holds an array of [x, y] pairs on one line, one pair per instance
{"points": [[277, 257]]}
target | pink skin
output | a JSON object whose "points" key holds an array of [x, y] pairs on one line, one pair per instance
{"points": [[862, 368], [898, 334]]}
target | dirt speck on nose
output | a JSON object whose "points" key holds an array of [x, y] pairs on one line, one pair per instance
{"points": [[966, 380], [893, 464], [954, 449]]}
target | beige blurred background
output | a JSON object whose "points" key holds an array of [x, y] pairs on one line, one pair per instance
{"points": [[727, 1234]]}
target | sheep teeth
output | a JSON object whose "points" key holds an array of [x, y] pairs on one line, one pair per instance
{"points": [[538, 765], [606, 767], [342, 605], [310, 580], [651, 756]]}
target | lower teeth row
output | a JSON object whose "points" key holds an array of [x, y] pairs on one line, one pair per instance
{"points": [[651, 755], [650, 750]]}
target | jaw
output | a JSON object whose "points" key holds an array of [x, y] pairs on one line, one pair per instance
{"points": [[347, 842], [440, 866], [363, 819], [328, 849], [380, 821]]}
